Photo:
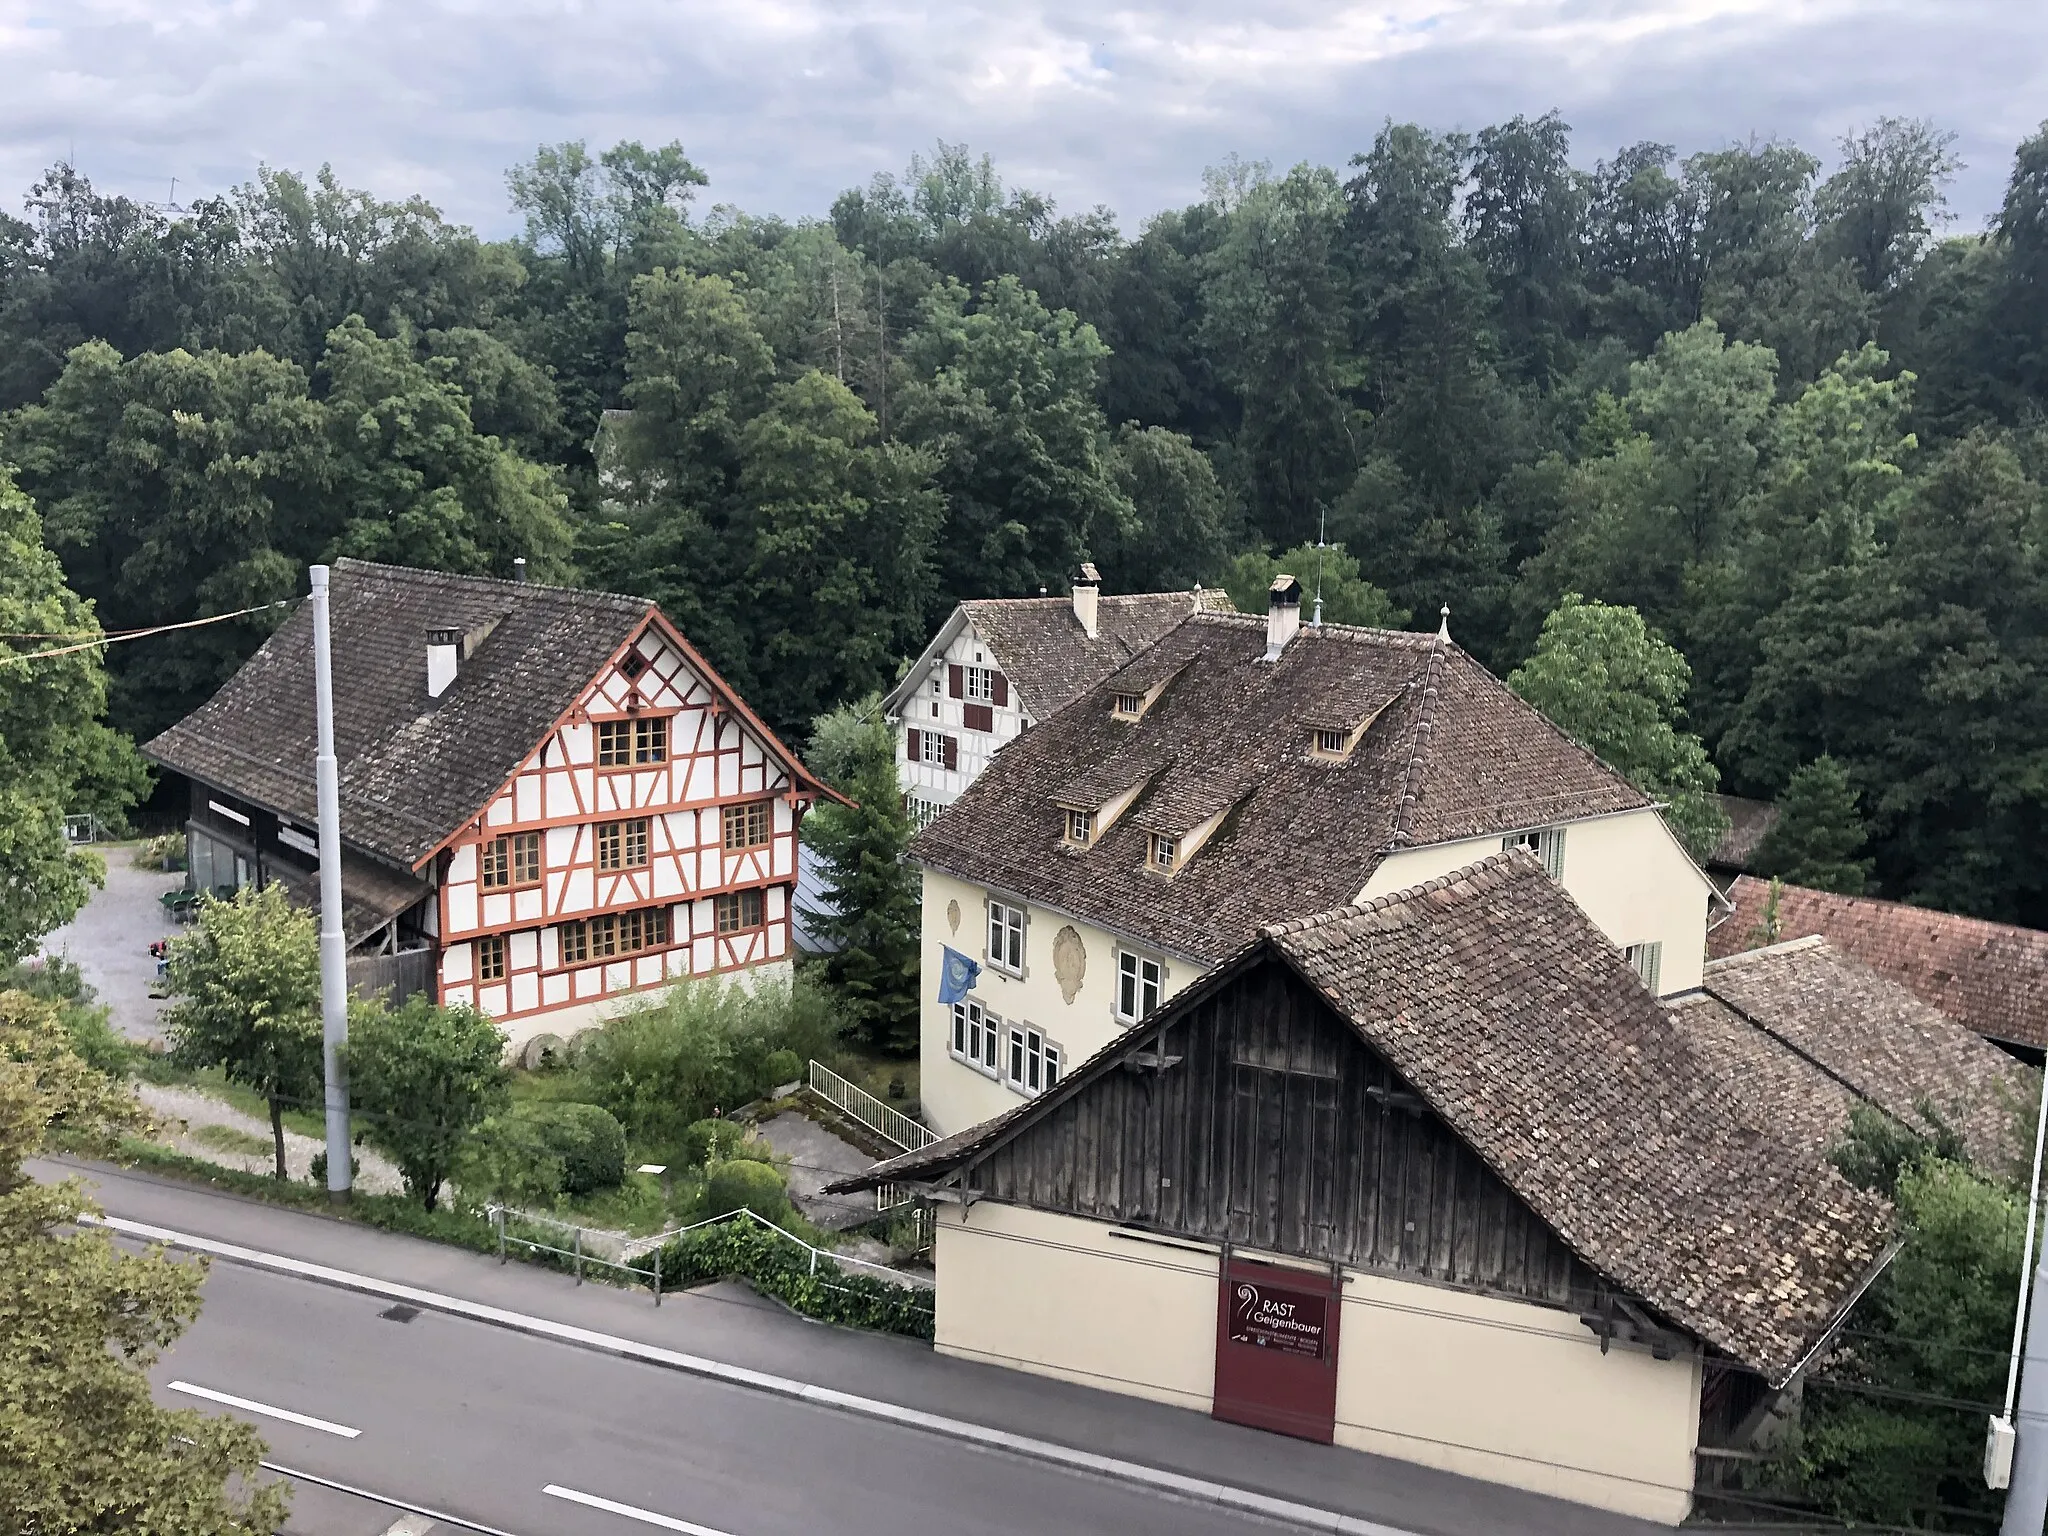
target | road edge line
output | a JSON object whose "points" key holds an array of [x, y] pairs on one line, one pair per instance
{"points": [[1199, 1490]]}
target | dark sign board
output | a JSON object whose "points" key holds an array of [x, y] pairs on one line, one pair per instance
{"points": [[1277, 1317]]}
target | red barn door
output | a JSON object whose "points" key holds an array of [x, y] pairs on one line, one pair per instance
{"points": [[1276, 1348]]}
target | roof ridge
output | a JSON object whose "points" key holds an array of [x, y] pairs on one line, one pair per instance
{"points": [[1903, 908], [1425, 735], [1492, 864], [1782, 947], [512, 583]]}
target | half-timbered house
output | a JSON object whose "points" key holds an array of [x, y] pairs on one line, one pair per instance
{"points": [[1432, 1176], [547, 795]]}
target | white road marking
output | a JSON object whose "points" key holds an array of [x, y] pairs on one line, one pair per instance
{"points": [[410, 1525], [247, 1406], [647, 1516]]}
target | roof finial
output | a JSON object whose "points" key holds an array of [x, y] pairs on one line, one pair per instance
{"points": [[1443, 630]]}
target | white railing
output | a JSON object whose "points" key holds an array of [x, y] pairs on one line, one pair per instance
{"points": [[860, 1105]]}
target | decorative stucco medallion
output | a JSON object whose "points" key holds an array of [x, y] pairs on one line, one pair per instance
{"points": [[953, 915], [1069, 962]]}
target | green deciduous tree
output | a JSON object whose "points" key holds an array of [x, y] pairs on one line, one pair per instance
{"points": [[245, 986], [425, 1077], [55, 755], [1004, 400], [1180, 522], [1818, 832], [83, 1447], [1348, 598], [1619, 691], [870, 906]]}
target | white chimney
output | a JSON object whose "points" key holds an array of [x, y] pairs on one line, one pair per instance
{"points": [[1087, 588], [444, 649], [1283, 614]]}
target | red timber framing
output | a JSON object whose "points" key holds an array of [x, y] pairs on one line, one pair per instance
{"points": [[668, 855]]}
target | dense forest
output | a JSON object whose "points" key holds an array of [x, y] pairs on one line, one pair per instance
{"points": [[1790, 418]]}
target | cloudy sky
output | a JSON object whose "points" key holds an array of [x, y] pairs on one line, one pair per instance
{"points": [[785, 102]]}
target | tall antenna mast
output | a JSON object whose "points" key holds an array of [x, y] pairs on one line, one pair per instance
{"points": [[1322, 528]]}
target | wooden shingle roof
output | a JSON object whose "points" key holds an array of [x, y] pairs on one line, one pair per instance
{"points": [[1989, 977], [1047, 656], [1526, 1032], [1450, 753]]}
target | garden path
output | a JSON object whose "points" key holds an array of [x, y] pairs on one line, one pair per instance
{"points": [[182, 1110]]}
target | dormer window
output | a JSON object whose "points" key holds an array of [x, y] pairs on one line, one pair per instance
{"points": [[1329, 743], [1165, 853], [1080, 828], [1129, 706]]}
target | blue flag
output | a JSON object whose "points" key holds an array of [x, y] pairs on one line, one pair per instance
{"points": [[957, 974]]}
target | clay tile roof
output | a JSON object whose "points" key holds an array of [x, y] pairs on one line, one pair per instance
{"points": [[1452, 754], [1988, 977], [1878, 1040], [413, 769], [1526, 1031], [1048, 657], [1748, 821]]}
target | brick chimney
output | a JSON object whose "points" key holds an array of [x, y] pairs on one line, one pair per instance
{"points": [[1087, 590], [1283, 614], [444, 652]]}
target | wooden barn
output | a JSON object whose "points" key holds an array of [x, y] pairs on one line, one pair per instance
{"points": [[549, 800], [1434, 1177]]}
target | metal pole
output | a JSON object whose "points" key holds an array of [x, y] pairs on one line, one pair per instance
{"points": [[333, 947], [2026, 1502], [579, 1255]]}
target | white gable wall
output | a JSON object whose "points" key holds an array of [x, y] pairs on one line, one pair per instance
{"points": [[933, 708]]}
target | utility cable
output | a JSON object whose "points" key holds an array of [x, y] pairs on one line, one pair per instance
{"points": [[116, 637]]}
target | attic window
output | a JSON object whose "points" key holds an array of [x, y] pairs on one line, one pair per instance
{"points": [[1080, 828], [1329, 743], [1129, 706], [1165, 852], [632, 664], [1647, 961]]}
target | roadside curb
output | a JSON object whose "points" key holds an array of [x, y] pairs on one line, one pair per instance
{"points": [[1194, 1489]]}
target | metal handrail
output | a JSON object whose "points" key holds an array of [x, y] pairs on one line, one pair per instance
{"points": [[890, 1124]]}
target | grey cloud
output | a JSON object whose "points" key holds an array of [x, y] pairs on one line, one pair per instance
{"points": [[785, 102]]}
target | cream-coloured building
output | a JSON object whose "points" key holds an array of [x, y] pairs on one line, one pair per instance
{"points": [[1380, 1179], [1238, 771], [998, 666]]}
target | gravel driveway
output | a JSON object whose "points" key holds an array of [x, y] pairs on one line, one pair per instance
{"points": [[109, 939]]}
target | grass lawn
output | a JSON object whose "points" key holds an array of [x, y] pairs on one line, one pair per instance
{"points": [[225, 1138], [874, 1071]]}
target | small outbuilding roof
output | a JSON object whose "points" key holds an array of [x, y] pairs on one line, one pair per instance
{"points": [[1748, 821], [1450, 753], [1528, 1034], [1989, 977]]}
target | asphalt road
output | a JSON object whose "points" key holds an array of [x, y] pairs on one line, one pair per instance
{"points": [[479, 1422]]}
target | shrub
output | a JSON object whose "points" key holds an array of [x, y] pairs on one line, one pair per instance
{"points": [[57, 979], [781, 1269], [743, 1184], [711, 1141], [164, 851], [783, 1066], [425, 1077], [589, 1141], [704, 1045], [511, 1159]]}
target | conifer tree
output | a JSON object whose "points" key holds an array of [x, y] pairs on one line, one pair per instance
{"points": [[1818, 833]]}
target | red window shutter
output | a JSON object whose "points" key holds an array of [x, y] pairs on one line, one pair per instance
{"points": [[952, 753], [999, 688], [914, 748], [979, 717], [954, 685]]}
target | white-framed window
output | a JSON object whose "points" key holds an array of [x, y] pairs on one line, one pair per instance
{"points": [[931, 748], [1005, 937], [1129, 706], [1330, 743], [1164, 852], [1080, 828], [978, 684], [1032, 1062], [1139, 982], [977, 1038], [1546, 843], [920, 812], [1647, 960], [935, 683]]}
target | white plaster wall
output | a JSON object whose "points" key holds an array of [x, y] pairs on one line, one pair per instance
{"points": [[954, 1095], [1514, 1394], [1626, 872], [1493, 1389], [937, 710], [1058, 1296]]}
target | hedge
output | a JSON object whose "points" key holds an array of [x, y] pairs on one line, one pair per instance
{"points": [[586, 1137], [779, 1268]]}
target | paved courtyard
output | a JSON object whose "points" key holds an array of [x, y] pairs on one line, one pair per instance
{"points": [[109, 940]]}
